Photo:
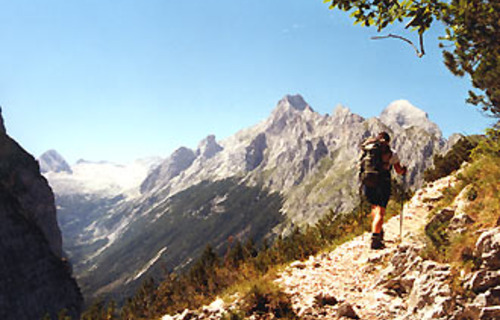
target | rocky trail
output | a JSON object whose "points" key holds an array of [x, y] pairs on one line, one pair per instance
{"points": [[349, 277], [355, 282]]}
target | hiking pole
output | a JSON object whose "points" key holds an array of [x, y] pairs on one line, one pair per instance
{"points": [[361, 213], [403, 191]]}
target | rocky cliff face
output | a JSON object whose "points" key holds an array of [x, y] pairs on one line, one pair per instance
{"points": [[34, 279], [179, 161], [311, 158]]}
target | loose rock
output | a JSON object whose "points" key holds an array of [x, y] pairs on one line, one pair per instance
{"points": [[325, 299], [346, 310], [488, 248], [490, 313], [482, 280]]}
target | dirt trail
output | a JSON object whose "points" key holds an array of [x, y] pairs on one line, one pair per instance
{"points": [[350, 272]]}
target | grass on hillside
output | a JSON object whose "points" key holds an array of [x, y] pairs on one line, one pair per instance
{"points": [[481, 177]]}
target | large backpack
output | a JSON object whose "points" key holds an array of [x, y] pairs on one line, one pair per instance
{"points": [[371, 165]]}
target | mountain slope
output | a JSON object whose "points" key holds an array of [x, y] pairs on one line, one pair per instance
{"points": [[177, 230], [308, 159]]}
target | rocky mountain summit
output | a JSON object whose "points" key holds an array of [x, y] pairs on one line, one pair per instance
{"points": [[296, 149], [35, 279], [52, 161], [354, 282], [402, 114]]}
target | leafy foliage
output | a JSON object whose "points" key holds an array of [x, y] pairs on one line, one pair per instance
{"points": [[490, 146], [265, 297], [452, 160], [473, 27], [472, 30], [482, 176]]}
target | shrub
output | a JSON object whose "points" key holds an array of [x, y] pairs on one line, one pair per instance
{"points": [[265, 297], [452, 160]]}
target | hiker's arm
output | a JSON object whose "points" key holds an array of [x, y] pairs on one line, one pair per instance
{"points": [[399, 168]]}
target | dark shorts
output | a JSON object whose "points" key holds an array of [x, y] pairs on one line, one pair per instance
{"points": [[378, 196]]}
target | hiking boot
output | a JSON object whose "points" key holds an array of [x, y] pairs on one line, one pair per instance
{"points": [[377, 241]]}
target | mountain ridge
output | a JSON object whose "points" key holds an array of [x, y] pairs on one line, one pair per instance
{"points": [[307, 158]]}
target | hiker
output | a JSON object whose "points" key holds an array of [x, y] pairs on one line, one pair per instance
{"points": [[377, 162]]}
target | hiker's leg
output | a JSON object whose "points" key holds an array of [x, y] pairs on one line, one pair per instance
{"points": [[378, 213], [377, 240]]}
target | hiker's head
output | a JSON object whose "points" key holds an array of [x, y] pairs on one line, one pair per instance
{"points": [[384, 136]]}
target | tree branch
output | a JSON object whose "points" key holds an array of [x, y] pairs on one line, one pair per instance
{"points": [[420, 52], [421, 39]]}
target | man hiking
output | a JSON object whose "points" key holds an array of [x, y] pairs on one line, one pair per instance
{"points": [[377, 162]]}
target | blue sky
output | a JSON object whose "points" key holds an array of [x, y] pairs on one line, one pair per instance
{"points": [[119, 80]]}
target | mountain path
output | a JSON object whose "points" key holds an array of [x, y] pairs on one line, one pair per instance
{"points": [[351, 271]]}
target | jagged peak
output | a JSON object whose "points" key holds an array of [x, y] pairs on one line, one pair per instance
{"points": [[181, 151], [345, 115], [208, 147], [341, 110], [52, 161], [295, 101]]}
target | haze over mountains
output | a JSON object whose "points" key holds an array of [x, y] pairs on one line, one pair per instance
{"points": [[124, 223]]}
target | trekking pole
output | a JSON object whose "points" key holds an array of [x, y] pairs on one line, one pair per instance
{"points": [[403, 187], [361, 218]]}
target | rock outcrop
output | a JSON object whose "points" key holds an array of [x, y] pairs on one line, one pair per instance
{"points": [[255, 152], [179, 161], [35, 279], [208, 147], [488, 249]]}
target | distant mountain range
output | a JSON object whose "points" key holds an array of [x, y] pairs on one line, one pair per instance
{"points": [[124, 223]]}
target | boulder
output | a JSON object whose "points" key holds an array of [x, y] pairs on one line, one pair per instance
{"points": [[216, 307], [488, 249], [490, 298], [490, 313], [442, 216], [298, 265], [483, 280], [431, 295], [460, 222], [346, 310], [324, 299]]}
